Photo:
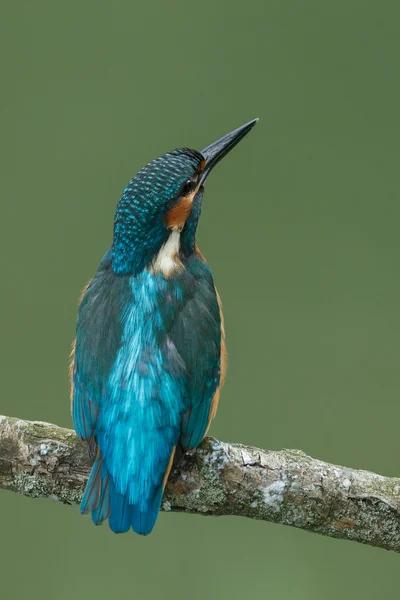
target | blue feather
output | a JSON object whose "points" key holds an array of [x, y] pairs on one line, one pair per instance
{"points": [[144, 521], [140, 423], [146, 370], [84, 413], [120, 520], [103, 508], [194, 425], [91, 496]]}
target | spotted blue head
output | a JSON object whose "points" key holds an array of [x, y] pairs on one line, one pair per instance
{"points": [[160, 207]]}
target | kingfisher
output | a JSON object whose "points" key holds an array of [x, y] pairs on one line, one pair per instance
{"points": [[149, 357]]}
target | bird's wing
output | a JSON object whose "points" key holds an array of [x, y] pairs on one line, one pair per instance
{"points": [[97, 342], [196, 331], [196, 421]]}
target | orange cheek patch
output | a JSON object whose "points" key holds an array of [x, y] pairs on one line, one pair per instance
{"points": [[178, 215]]}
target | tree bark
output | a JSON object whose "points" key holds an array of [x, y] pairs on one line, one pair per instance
{"points": [[42, 460]]}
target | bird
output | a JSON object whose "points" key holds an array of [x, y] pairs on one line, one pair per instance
{"points": [[149, 357]]}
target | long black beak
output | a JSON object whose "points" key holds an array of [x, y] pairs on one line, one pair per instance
{"points": [[214, 152]]}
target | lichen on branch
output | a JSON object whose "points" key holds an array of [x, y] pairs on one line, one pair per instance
{"points": [[42, 460]]}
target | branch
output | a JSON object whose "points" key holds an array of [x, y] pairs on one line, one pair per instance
{"points": [[41, 460]]}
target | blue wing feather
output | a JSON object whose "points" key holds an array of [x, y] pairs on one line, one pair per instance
{"points": [[196, 333], [84, 412]]}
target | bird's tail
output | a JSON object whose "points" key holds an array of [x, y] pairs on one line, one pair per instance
{"points": [[104, 502]]}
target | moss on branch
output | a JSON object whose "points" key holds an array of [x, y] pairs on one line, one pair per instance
{"points": [[42, 460]]}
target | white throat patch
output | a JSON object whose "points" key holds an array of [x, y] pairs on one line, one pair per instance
{"points": [[167, 260]]}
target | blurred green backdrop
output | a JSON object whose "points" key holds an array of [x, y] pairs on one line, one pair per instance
{"points": [[300, 226]]}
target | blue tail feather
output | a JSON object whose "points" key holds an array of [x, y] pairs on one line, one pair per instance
{"points": [[120, 519], [103, 509], [104, 502], [144, 521], [92, 492]]}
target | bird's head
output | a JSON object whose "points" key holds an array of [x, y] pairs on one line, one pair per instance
{"points": [[157, 215]]}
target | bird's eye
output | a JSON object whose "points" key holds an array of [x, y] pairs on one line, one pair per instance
{"points": [[187, 187]]}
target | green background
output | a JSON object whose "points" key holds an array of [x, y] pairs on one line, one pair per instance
{"points": [[300, 226]]}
